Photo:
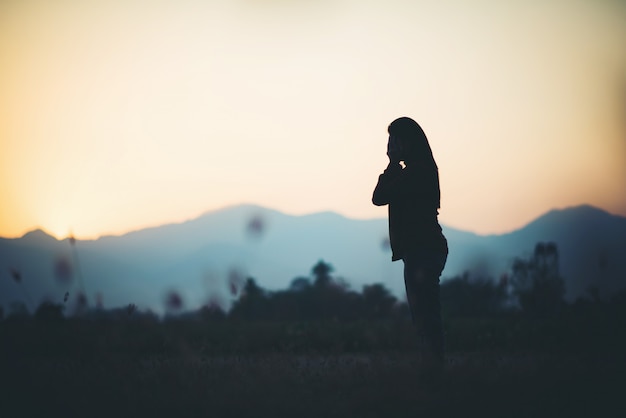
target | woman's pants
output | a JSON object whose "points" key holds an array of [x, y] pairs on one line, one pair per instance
{"points": [[422, 269]]}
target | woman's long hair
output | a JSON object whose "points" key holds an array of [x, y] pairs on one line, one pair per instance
{"points": [[417, 149], [414, 139]]}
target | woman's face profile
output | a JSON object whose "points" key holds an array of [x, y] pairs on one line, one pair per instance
{"points": [[395, 148]]}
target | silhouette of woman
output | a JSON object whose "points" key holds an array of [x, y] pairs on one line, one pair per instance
{"points": [[412, 193]]}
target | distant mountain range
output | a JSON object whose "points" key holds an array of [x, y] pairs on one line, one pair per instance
{"points": [[198, 257]]}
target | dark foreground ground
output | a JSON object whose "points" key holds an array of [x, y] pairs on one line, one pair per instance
{"points": [[504, 367]]}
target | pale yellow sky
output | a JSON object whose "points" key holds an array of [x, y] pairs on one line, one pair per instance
{"points": [[116, 115]]}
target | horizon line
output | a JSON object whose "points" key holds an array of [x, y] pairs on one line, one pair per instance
{"points": [[36, 229]]}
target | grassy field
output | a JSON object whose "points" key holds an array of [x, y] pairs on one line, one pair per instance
{"points": [[506, 367]]}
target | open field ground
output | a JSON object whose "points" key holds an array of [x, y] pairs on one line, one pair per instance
{"points": [[508, 367]]}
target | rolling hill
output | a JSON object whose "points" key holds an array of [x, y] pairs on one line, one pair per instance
{"points": [[196, 258]]}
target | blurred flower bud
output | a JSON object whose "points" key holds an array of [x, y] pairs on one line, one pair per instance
{"points": [[173, 301], [255, 227], [81, 301], [16, 275], [63, 270], [235, 281]]}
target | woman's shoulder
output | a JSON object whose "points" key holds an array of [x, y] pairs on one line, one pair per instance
{"points": [[420, 171]]}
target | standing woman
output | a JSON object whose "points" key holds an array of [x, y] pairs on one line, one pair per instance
{"points": [[412, 193]]}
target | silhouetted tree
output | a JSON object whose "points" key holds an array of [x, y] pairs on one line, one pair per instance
{"points": [[253, 303], [290, 305], [378, 301], [300, 284], [330, 297], [466, 296], [211, 312], [326, 298], [49, 312], [18, 310], [536, 281], [321, 273]]}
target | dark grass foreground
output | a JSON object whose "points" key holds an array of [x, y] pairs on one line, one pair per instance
{"points": [[504, 367]]}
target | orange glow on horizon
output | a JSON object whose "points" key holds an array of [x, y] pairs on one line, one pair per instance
{"points": [[122, 115]]}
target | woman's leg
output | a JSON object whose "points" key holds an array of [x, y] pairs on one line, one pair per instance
{"points": [[421, 278]]}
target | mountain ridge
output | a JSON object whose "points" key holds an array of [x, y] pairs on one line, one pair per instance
{"points": [[587, 208], [274, 248]]}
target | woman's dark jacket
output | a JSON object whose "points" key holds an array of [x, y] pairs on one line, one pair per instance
{"points": [[412, 194]]}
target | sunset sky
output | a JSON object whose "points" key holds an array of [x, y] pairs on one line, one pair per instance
{"points": [[121, 114]]}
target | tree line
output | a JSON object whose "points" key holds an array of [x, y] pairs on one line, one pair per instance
{"points": [[533, 286]]}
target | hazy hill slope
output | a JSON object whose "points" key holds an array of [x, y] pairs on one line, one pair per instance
{"points": [[197, 256]]}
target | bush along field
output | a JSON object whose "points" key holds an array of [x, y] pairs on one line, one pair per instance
{"points": [[514, 348]]}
